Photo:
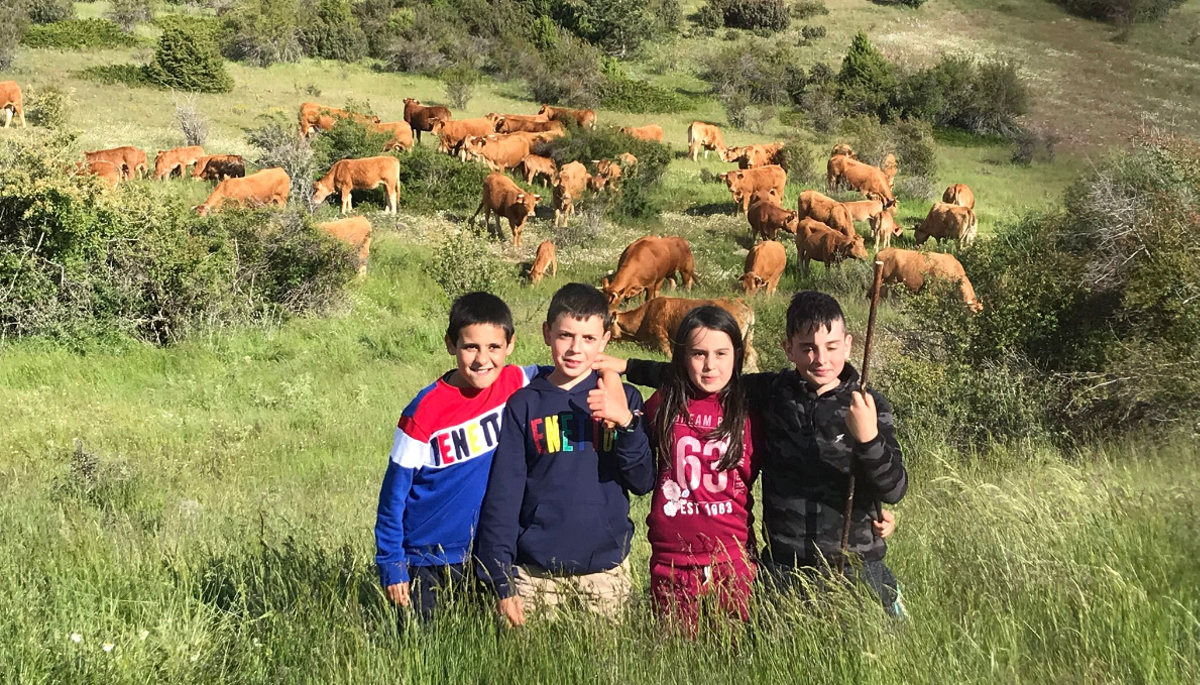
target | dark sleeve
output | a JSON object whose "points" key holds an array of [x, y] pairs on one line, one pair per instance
{"points": [[880, 461], [645, 372], [634, 457], [499, 515], [759, 389]]}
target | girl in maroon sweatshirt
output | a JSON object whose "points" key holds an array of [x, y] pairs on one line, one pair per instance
{"points": [[701, 544]]}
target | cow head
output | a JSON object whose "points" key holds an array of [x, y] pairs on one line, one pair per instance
{"points": [[203, 209], [321, 191], [858, 248], [544, 111], [843, 149], [792, 223], [752, 283], [437, 126], [411, 101]]}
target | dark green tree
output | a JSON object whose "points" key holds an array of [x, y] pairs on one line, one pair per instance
{"points": [[187, 61], [866, 82]]}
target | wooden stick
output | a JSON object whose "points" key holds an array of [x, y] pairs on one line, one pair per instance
{"points": [[862, 383]]}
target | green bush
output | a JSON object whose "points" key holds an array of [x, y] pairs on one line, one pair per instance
{"points": [[129, 13], [50, 11], [810, 34], [11, 30], [617, 27], [460, 82], [196, 25], [130, 75], [188, 62], [710, 16], [805, 9], [624, 94], [915, 4], [757, 71], [78, 34], [636, 200], [433, 182], [866, 82], [569, 75], [47, 106], [759, 15], [1121, 12], [332, 32], [463, 264], [802, 165], [262, 32], [346, 140]]}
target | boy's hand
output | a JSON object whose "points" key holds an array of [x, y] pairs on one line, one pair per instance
{"points": [[604, 363], [863, 419], [398, 594], [608, 401], [513, 610], [887, 526]]}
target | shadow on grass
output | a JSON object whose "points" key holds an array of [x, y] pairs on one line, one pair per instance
{"points": [[711, 209]]}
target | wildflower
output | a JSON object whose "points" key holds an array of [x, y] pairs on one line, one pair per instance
{"points": [[76, 638], [107, 646], [143, 634]]}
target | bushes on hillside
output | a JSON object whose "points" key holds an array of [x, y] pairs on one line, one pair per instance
{"points": [[636, 199], [11, 30], [463, 264], [762, 15], [188, 62], [625, 94], [78, 34], [1121, 12], [912, 144], [261, 32], [129, 13], [332, 32], [50, 11], [432, 182], [47, 106], [279, 144], [346, 140], [866, 82]]}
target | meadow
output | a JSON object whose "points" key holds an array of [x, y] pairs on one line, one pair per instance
{"points": [[202, 512]]}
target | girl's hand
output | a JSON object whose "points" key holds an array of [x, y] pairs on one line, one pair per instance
{"points": [[608, 401], [606, 363], [887, 526]]}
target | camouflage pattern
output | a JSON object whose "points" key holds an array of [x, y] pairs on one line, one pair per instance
{"points": [[806, 461]]}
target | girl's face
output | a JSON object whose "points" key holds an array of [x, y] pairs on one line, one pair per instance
{"points": [[710, 359]]}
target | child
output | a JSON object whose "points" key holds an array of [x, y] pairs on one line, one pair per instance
{"points": [[817, 425], [700, 514], [429, 502], [555, 518]]}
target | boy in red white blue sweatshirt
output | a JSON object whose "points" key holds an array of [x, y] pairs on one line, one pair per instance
{"points": [[441, 456]]}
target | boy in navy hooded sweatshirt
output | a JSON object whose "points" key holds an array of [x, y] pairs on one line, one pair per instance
{"points": [[555, 521]]}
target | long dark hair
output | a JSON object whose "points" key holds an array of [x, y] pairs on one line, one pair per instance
{"points": [[677, 388]]}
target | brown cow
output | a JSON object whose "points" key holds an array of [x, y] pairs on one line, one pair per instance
{"points": [[608, 173], [764, 266], [498, 152], [959, 194], [889, 169], [627, 159], [130, 160], [355, 231], [533, 166], [367, 173], [420, 117], [816, 205], [914, 268], [707, 137], [753, 156], [586, 118], [863, 210], [106, 171], [573, 177], [269, 186], [815, 240], [651, 132], [546, 258], [314, 117], [508, 124], [883, 229], [11, 102], [643, 266], [867, 179], [219, 168], [166, 162], [399, 132], [743, 184], [506, 199], [452, 133], [767, 218], [843, 149], [656, 322], [947, 222], [497, 119]]}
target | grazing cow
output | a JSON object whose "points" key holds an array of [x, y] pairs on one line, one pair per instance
{"points": [[314, 117], [867, 179], [627, 159], [355, 231], [399, 132], [497, 152], [166, 162], [546, 258], [863, 210], [643, 266], [533, 166], [889, 169], [914, 268], [959, 194], [506, 199], [815, 240], [753, 156], [11, 102], [572, 179], [743, 184], [508, 124], [219, 167], [764, 266], [815, 205], [656, 322], [106, 171], [420, 117], [130, 160], [767, 218], [367, 173], [269, 186], [651, 132], [883, 229], [947, 222], [498, 119], [707, 137], [452, 133], [586, 118], [608, 173]]}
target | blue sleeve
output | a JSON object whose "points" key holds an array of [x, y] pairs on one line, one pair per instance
{"points": [[389, 517], [634, 456], [500, 513]]}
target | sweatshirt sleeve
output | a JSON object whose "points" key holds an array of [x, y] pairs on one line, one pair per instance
{"points": [[407, 455], [634, 457], [645, 372], [880, 461], [499, 515], [759, 389]]}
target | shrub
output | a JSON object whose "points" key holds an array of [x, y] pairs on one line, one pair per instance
{"points": [[624, 94], [191, 123], [915, 4], [1000, 96], [50, 11], [866, 81], [11, 30], [346, 140], [570, 75], [127, 14], [131, 75], [197, 25], [262, 32], [47, 106], [911, 142], [800, 162], [636, 198], [710, 16], [810, 34], [757, 71], [279, 144], [1121, 12], [188, 62], [332, 32], [806, 9], [463, 264], [433, 182], [760, 15], [617, 27], [460, 83], [1034, 143], [78, 34], [823, 111]]}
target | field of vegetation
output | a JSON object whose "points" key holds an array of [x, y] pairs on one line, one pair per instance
{"points": [[197, 412]]}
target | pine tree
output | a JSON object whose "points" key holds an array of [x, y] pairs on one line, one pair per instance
{"points": [[866, 83], [185, 61]]}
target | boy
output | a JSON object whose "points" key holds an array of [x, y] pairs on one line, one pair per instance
{"points": [[429, 502], [555, 518], [817, 425]]}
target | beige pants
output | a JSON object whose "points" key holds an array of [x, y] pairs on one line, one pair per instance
{"points": [[605, 593]]}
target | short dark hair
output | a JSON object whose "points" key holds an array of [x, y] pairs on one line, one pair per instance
{"points": [[580, 301], [811, 310], [476, 308]]}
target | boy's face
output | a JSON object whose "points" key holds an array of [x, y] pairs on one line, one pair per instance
{"points": [[481, 352], [819, 354], [574, 343]]}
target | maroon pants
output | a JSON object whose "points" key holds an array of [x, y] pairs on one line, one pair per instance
{"points": [[679, 592]]}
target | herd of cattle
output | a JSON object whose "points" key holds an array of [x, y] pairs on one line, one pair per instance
{"points": [[823, 227]]}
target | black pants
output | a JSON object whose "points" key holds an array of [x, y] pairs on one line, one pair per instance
{"points": [[874, 574], [437, 585]]}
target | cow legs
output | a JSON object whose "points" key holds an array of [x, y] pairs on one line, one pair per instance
{"points": [[516, 229], [8, 115], [346, 201], [478, 209], [393, 192]]}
